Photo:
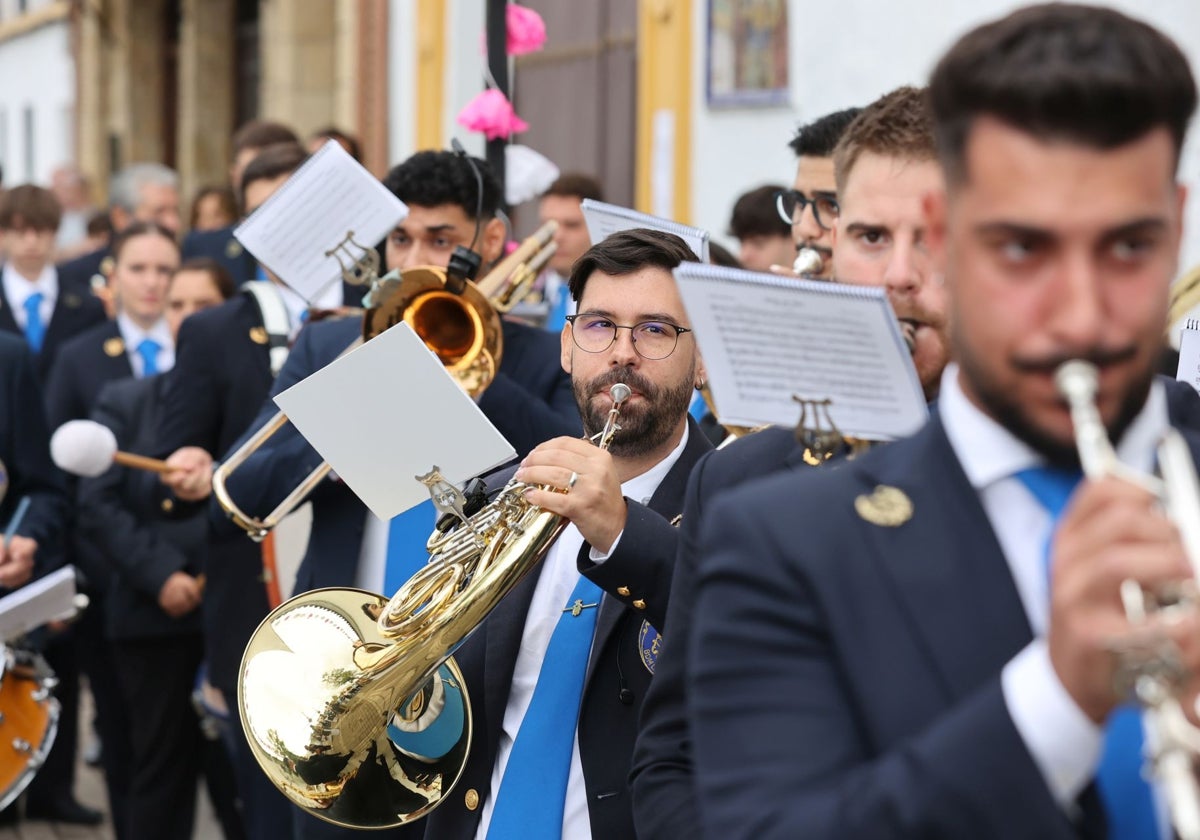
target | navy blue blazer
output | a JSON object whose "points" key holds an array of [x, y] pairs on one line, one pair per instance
{"points": [[79, 271], [636, 581], [84, 365], [845, 681], [75, 310], [221, 246], [120, 513], [539, 406], [25, 457], [663, 786]]}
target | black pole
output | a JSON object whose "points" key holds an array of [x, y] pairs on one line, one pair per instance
{"points": [[497, 52]]}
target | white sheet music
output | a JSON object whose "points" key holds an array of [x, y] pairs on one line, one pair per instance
{"points": [[765, 338], [329, 196], [603, 220], [46, 599], [387, 412]]}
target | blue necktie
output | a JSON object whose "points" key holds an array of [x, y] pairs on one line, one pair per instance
{"points": [[407, 534], [148, 350], [533, 792], [35, 330], [1128, 800]]}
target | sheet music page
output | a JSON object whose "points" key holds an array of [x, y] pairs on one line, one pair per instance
{"points": [[46, 599], [1189, 354], [603, 220], [330, 195], [387, 412], [765, 338]]}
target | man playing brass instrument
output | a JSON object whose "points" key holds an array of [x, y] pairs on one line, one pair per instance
{"points": [[541, 765], [924, 645]]}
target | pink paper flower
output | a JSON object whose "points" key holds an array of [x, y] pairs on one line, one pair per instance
{"points": [[526, 30], [491, 113]]}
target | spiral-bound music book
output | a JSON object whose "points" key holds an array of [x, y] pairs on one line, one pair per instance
{"points": [[1189, 353], [603, 220], [766, 338], [297, 230]]}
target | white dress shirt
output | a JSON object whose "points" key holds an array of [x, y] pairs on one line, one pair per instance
{"points": [[133, 335], [1064, 743], [18, 288], [560, 574]]}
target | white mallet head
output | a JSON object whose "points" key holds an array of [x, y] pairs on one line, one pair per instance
{"points": [[83, 447]]}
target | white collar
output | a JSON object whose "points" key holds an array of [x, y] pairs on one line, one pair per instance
{"points": [[133, 335], [990, 453], [641, 487], [17, 288]]}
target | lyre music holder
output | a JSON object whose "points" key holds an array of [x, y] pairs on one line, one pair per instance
{"points": [[816, 430], [360, 270]]}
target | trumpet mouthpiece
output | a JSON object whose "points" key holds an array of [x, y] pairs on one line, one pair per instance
{"points": [[619, 392], [1077, 380], [808, 261]]}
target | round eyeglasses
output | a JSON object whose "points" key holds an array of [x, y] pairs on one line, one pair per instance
{"points": [[652, 340], [791, 203]]}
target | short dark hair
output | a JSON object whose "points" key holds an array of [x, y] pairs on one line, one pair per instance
{"points": [[140, 229], [898, 124], [270, 163], [817, 138], [433, 178], [219, 274], [1084, 74], [258, 134], [626, 252], [29, 206], [576, 185], [349, 141], [754, 214]]}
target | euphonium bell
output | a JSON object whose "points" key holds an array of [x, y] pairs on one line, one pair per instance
{"points": [[353, 704]]}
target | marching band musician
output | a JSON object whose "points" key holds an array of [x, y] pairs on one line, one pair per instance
{"points": [[885, 163], [529, 400], [918, 644], [562, 687]]}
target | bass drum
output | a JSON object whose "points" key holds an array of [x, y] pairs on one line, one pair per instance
{"points": [[28, 720]]}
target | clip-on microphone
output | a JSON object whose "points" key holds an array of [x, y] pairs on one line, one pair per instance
{"points": [[465, 262]]}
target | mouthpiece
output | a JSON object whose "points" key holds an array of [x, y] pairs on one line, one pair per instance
{"points": [[808, 261], [1077, 381], [619, 392]]}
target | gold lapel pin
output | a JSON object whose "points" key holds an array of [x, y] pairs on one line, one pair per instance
{"points": [[887, 507], [258, 335], [114, 347]]}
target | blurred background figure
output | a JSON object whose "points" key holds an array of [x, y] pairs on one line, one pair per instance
{"points": [[214, 207], [764, 238], [561, 203], [348, 141], [73, 191]]}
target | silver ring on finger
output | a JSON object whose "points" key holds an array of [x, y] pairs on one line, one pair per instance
{"points": [[571, 481]]}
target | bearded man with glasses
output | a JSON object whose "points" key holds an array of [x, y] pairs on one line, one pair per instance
{"points": [[541, 769]]}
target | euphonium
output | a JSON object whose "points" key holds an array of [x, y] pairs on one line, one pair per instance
{"points": [[459, 322], [1150, 668], [353, 704]]}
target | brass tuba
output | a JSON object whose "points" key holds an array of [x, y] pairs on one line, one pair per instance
{"points": [[458, 321], [1150, 670], [353, 704]]}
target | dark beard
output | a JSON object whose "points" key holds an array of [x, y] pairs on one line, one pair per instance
{"points": [[1007, 412], [644, 426]]}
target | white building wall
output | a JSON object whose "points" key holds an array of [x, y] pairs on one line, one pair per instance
{"points": [[36, 104], [849, 52]]}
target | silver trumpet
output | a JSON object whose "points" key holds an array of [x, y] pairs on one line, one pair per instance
{"points": [[1150, 667]]}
